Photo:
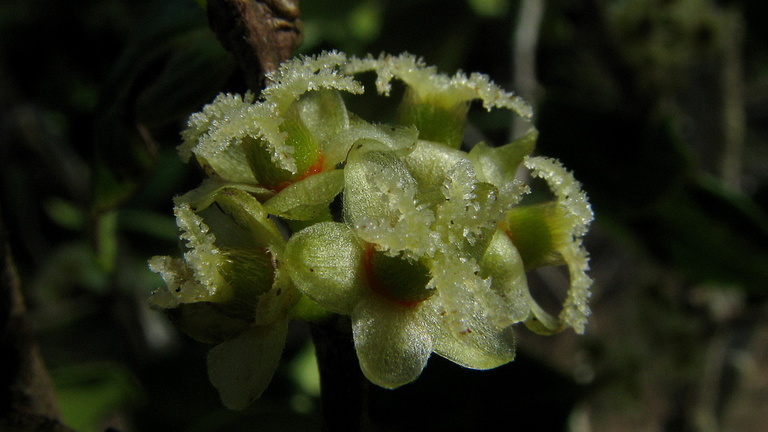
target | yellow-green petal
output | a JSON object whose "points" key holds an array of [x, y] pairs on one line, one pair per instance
{"points": [[308, 198], [325, 261], [393, 343]]}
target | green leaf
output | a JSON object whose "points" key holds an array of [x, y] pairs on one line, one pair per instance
{"points": [[88, 393]]}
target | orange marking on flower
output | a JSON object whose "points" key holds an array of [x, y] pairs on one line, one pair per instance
{"points": [[315, 168], [374, 283]]}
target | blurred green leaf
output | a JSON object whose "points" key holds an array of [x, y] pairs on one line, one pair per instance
{"points": [[105, 231], [159, 226], [88, 393], [710, 234], [65, 213]]}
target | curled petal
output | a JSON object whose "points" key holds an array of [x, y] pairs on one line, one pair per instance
{"points": [[574, 206], [212, 136], [570, 197], [425, 80]]}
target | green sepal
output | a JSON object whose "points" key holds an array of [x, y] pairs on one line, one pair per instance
{"points": [[436, 121], [538, 231], [309, 310], [248, 274], [241, 368], [204, 195], [307, 199], [324, 113], [247, 213], [541, 322], [503, 264]]}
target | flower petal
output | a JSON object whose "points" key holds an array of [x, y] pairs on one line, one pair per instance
{"points": [[393, 343], [503, 264], [380, 201], [307, 199], [241, 368], [210, 135], [480, 346], [435, 87], [325, 261]]}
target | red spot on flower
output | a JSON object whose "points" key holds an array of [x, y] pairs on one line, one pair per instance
{"points": [[376, 285], [315, 168]]}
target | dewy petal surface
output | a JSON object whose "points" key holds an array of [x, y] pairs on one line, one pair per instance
{"points": [[241, 368], [393, 343], [480, 346]]}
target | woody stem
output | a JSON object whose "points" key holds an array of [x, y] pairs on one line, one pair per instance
{"points": [[344, 389]]}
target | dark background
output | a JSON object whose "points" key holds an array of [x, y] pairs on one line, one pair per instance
{"points": [[660, 107]]}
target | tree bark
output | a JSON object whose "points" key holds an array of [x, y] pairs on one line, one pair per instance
{"points": [[27, 395], [261, 34]]}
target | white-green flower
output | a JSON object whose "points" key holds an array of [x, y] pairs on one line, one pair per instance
{"points": [[427, 254], [399, 313], [410, 266], [228, 288]]}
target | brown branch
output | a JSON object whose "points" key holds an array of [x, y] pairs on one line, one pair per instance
{"points": [[260, 33], [27, 396], [344, 389]]}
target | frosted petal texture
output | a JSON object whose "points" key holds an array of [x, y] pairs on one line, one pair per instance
{"points": [[423, 245]]}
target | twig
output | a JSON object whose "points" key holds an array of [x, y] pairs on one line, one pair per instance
{"points": [[260, 33], [343, 388], [524, 42], [27, 396]]}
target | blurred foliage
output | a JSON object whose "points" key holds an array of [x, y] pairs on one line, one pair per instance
{"points": [[636, 97]]}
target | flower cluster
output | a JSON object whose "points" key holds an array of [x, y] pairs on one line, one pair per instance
{"points": [[427, 253]]}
